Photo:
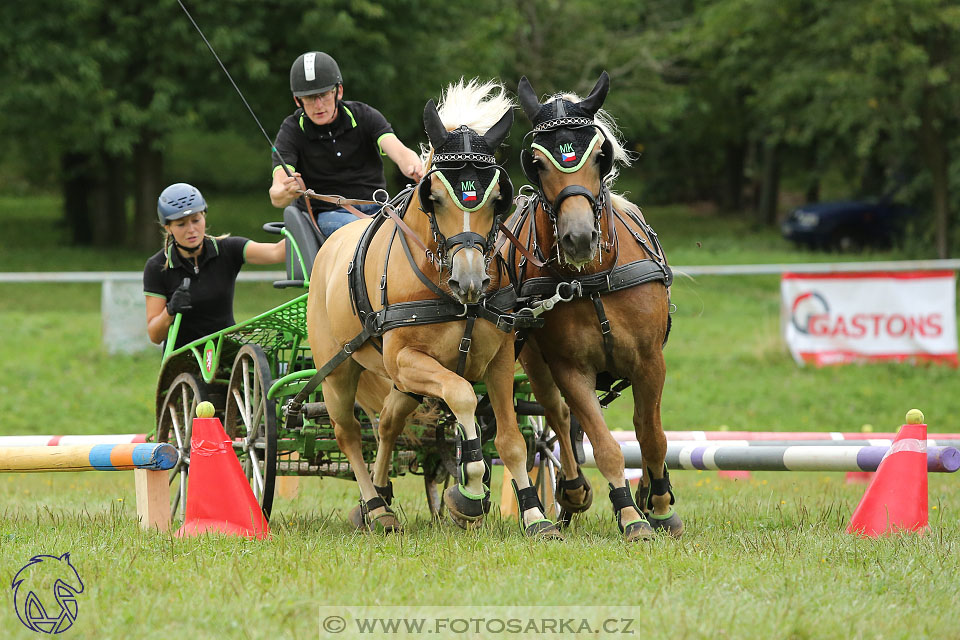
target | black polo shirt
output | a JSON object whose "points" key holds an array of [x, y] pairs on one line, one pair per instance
{"points": [[212, 283], [341, 158]]}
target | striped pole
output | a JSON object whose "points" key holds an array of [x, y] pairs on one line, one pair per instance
{"points": [[55, 441], [872, 442], [630, 436], [796, 458], [99, 457]]}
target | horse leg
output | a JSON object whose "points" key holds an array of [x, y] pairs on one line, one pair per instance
{"points": [[512, 447], [573, 493], [339, 391], [654, 494], [606, 451], [419, 373], [396, 408]]}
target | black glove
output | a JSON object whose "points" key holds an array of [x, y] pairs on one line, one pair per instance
{"points": [[180, 300]]}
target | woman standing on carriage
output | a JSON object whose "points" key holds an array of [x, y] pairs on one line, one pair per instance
{"points": [[195, 273]]}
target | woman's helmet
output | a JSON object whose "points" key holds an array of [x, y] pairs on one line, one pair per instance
{"points": [[314, 72], [179, 201]]}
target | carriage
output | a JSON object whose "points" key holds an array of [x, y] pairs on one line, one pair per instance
{"points": [[250, 370]]}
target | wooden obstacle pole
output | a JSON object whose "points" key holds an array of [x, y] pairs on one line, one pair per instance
{"points": [[714, 456], [630, 436], [59, 441], [149, 462]]}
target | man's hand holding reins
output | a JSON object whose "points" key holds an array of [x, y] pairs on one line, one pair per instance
{"points": [[285, 188]]}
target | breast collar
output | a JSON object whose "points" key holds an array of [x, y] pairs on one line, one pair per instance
{"points": [[617, 277], [496, 307]]}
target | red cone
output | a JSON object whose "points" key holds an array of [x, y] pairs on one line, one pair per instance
{"points": [[896, 499], [219, 498], [859, 477]]}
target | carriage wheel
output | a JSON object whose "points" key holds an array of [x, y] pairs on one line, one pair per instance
{"points": [[250, 421], [176, 427]]}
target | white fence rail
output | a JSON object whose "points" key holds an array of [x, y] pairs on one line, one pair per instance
{"points": [[124, 317]]}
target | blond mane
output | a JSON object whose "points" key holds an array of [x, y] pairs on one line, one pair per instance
{"points": [[478, 105]]}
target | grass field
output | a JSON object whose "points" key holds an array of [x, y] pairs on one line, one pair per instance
{"points": [[764, 558]]}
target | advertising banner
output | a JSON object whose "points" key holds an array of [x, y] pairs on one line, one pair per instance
{"points": [[837, 318]]}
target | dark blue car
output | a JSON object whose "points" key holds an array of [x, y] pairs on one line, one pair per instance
{"points": [[845, 226]]}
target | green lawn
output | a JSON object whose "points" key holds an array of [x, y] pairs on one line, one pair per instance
{"points": [[763, 558]]}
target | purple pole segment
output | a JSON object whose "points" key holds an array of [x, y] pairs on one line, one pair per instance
{"points": [[939, 459]]}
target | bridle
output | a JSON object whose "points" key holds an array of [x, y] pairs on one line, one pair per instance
{"points": [[598, 201], [452, 163]]}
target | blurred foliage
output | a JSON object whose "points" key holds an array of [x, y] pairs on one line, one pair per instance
{"points": [[863, 92]]}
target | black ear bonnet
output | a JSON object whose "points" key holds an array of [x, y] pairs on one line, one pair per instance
{"points": [[467, 167], [463, 160], [565, 132]]}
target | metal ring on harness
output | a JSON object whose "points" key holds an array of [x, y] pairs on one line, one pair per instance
{"points": [[465, 311], [575, 290]]}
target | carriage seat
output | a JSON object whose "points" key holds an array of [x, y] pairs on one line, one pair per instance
{"points": [[308, 240]]}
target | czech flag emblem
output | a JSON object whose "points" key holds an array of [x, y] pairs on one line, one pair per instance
{"points": [[469, 196], [569, 157]]}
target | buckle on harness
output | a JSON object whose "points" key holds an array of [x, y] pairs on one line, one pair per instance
{"points": [[465, 344]]}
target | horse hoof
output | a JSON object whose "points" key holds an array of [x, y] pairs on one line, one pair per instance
{"points": [[465, 511], [544, 530], [670, 523], [386, 522], [639, 530], [575, 500], [355, 517]]}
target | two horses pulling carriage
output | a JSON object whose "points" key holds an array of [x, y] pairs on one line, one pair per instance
{"points": [[436, 297]]}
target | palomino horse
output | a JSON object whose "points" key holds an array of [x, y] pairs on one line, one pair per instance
{"points": [[430, 321], [581, 243]]}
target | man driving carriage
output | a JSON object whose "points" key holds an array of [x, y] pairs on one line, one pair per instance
{"points": [[333, 146]]}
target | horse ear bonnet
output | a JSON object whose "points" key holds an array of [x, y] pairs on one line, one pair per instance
{"points": [[568, 144], [468, 180]]}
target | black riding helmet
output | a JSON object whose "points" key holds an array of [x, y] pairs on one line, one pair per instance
{"points": [[314, 72]]}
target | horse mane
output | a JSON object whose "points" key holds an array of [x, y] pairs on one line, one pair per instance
{"points": [[478, 105]]}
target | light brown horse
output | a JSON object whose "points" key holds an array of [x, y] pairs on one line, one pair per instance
{"points": [[452, 214], [598, 249]]}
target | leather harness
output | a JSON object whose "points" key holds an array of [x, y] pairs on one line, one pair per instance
{"points": [[496, 307], [593, 286]]}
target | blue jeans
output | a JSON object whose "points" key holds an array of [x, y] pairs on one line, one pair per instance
{"points": [[330, 221]]}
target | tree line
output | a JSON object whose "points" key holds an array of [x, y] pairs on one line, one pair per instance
{"points": [[725, 100]]}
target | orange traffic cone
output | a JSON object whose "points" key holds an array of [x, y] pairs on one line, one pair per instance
{"points": [[220, 499], [896, 499]]}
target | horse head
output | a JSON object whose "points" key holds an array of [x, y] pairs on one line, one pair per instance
{"points": [[465, 193], [571, 155]]}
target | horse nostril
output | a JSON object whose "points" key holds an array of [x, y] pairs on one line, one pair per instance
{"points": [[594, 236], [484, 283], [454, 285], [567, 243]]}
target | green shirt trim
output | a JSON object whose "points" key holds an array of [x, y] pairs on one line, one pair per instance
{"points": [[380, 140]]}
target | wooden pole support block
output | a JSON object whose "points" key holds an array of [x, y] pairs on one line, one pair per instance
{"points": [[153, 499], [289, 486]]}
